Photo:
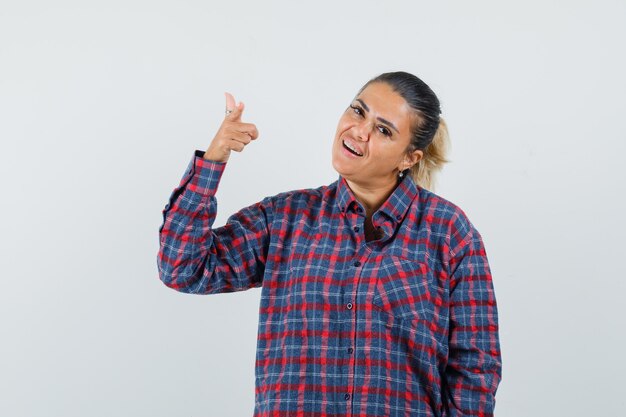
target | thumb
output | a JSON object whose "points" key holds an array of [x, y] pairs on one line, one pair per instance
{"points": [[233, 112]]}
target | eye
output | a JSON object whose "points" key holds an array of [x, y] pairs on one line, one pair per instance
{"points": [[358, 110], [382, 129]]}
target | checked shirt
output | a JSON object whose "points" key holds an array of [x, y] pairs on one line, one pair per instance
{"points": [[404, 325]]}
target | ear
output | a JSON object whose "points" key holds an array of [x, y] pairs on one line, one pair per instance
{"points": [[410, 159]]}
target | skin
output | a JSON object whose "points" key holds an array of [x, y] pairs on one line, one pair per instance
{"points": [[373, 176], [233, 134], [377, 124]]}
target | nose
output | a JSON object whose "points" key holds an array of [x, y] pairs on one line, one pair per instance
{"points": [[362, 131]]}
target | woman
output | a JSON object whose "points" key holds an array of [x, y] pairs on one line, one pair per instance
{"points": [[377, 298]]}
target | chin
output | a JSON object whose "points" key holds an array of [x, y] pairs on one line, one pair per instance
{"points": [[337, 167], [339, 164], [347, 174]]}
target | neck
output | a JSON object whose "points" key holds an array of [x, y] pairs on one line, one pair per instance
{"points": [[372, 196]]}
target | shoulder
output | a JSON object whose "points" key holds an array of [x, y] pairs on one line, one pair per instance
{"points": [[451, 219]]}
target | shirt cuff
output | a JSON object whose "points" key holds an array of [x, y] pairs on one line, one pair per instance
{"points": [[203, 176]]}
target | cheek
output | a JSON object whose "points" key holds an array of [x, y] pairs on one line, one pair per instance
{"points": [[343, 125], [337, 130], [387, 153]]}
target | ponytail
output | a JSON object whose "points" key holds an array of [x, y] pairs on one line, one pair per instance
{"points": [[424, 172]]}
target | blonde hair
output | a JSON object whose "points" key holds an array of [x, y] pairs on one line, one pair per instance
{"points": [[435, 156]]}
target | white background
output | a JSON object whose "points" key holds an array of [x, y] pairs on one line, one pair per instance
{"points": [[103, 103]]}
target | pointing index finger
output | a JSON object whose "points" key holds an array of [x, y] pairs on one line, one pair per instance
{"points": [[230, 102]]}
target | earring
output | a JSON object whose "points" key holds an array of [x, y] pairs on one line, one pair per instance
{"points": [[401, 174]]}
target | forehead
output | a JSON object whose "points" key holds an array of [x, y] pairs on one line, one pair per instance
{"points": [[384, 102]]}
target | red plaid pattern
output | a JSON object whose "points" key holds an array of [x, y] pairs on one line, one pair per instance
{"points": [[405, 325]]}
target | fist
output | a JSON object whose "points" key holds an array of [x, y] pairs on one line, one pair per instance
{"points": [[233, 134]]}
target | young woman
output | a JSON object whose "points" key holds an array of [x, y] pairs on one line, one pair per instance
{"points": [[377, 297]]}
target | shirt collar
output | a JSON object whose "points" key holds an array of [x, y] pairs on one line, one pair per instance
{"points": [[395, 207]]}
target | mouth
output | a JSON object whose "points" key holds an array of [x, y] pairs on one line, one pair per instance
{"points": [[351, 148]]}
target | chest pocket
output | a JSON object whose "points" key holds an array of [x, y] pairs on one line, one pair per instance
{"points": [[403, 289]]}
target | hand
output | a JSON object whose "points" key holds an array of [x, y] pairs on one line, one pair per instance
{"points": [[233, 134]]}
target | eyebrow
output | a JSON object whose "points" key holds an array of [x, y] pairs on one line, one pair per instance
{"points": [[379, 118]]}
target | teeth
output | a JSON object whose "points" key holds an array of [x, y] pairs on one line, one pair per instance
{"points": [[352, 148]]}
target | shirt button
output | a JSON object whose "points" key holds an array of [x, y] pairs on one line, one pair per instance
{"points": [[349, 305], [356, 228], [359, 209], [350, 350], [347, 396], [357, 263], [398, 217]]}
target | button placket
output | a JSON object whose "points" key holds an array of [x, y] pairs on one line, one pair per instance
{"points": [[357, 226], [360, 256]]}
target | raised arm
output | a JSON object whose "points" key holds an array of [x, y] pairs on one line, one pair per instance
{"points": [[193, 257], [474, 364]]}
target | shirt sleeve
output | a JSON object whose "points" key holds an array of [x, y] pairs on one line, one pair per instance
{"points": [[195, 258], [474, 365]]}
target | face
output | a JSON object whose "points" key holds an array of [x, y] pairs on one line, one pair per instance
{"points": [[373, 134]]}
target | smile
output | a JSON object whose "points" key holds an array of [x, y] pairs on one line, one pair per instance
{"points": [[351, 148]]}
